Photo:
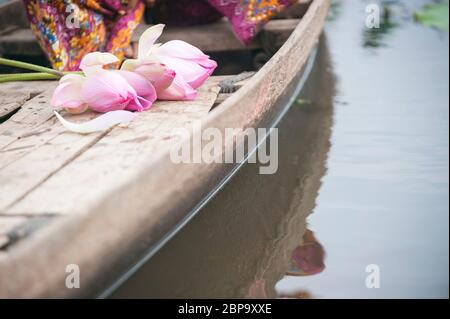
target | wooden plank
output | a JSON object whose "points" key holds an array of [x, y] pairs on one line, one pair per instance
{"points": [[219, 36], [13, 229], [15, 94], [214, 37], [34, 87], [29, 120], [32, 160], [34, 127], [7, 224], [221, 98], [25, 169], [10, 102]]}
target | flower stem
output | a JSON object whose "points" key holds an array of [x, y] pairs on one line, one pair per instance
{"points": [[29, 66], [27, 77], [74, 72]]}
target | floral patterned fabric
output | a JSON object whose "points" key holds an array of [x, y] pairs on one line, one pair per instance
{"points": [[69, 29], [249, 16]]}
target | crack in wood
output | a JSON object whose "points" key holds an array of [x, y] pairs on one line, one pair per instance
{"points": [[23, 230]]}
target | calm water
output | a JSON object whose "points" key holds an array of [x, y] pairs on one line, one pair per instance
{"points": [[364, 166]]}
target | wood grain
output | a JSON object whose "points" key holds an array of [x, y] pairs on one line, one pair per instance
{"points": [[101, 162], [7, 224], [29, 161], [30, 119], [15, 94]]}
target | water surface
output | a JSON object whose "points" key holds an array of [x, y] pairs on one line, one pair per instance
{"points": [[363, 166], [384, 200]]}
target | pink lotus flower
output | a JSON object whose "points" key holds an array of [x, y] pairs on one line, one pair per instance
{"points": [[192, 67], [146, 93], [68, 94], [106, 91], [158, 74], [103, 90]]}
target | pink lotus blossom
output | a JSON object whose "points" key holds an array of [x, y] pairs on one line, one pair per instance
{"points": [[191, 66], [106, 91], [68, 94], [146, 93], [103, 90], [158, 74]]}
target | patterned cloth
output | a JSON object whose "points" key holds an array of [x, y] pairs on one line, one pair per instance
{"points": [[69, 29], [249, 16]]}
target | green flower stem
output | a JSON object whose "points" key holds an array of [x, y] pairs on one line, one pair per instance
{"points": [[27, 77], [74, 72], [29, 66]]}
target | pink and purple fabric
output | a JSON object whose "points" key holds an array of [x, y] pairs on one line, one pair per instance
{"points": [[249, 16]]}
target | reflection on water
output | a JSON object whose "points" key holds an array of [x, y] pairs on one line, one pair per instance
{"points": [[308, 258], [255, 230], [377, 194], [384, 200]]}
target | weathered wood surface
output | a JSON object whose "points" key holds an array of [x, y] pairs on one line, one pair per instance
{"points": [[213, 37], [32, 115], [38, 147], [14, 94], [119, 193], [219, 36], [8, 224], [16, 228]]}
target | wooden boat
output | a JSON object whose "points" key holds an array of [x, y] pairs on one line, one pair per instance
{"points": [[277, 222], [108, 201]]}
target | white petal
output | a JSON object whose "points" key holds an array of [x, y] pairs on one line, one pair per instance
{"points": [[148, 38], [73, 78], [101, 123], [130, 65], [97, 59]]}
